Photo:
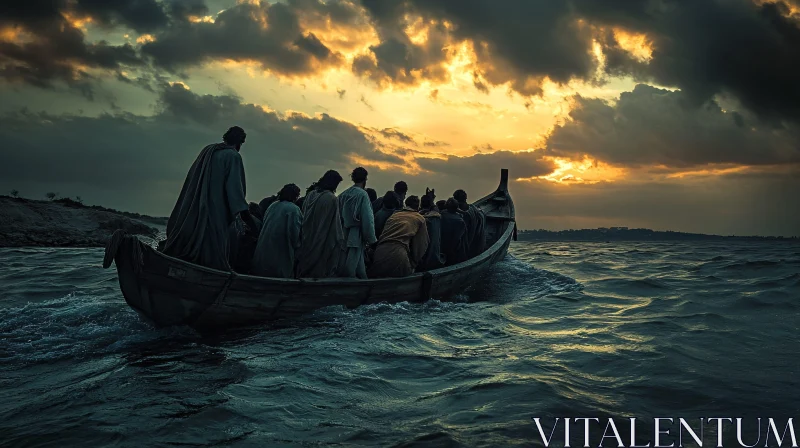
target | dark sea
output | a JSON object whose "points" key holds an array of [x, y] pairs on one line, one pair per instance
{"points": [[572, 330]]}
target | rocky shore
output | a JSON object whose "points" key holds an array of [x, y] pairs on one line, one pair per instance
{"points": [[65, 223]]}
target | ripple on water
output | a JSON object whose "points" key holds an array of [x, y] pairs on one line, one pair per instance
{"points": [[556, 329]]}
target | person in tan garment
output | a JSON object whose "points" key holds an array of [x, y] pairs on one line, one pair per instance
{"points": [[402, 243]]}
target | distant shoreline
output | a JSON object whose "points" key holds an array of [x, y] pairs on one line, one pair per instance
{"points": [[67, 222], [604, 234]]}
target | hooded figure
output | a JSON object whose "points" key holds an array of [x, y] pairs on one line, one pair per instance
{"points": [[402, 243], [280, 236], [389, 205], [213, 195], [433, 258], [454, 234], [358, 224], [400, 190], [475, 220], [322, 241]]}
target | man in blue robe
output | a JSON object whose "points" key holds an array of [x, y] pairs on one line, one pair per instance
{"points": [[213, 195]]}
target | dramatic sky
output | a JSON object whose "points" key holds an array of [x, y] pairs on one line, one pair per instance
{"points": [[667, 114]]}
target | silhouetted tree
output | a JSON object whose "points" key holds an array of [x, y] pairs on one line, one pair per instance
{"points": [[52, 196], [79, 200], [14, 193]]}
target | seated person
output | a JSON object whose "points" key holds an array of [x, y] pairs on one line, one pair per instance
{"points": [[400, 190], [390, 204], [433, 258], [402, 243], [454, 232], [475, 220]]}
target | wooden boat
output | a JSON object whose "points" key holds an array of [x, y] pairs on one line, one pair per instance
{"points": [[168, 291]]}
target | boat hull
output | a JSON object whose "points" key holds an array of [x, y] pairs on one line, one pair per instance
{"points": [[170, 292]]}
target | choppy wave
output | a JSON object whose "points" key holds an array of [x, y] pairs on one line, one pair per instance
{"points": [[556, 329]]}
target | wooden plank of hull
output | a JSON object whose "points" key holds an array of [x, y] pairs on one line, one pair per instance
{"points": [[168, 291]]}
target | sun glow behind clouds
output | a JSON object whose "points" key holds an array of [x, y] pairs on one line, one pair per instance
{"points": [[586, 171], [637, 44]]}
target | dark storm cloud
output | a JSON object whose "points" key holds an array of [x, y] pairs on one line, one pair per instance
{"points": [[60, 53], [515, 41], [707, 47], [650, 126], [269, 34], [126, 150], [53, 49], [140, 161], [524, 164], [703, 47]]}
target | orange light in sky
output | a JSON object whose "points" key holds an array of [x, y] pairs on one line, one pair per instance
{"points": [[637, 44], [145, 38], [76, 21], [708, 172], [586, 171]]}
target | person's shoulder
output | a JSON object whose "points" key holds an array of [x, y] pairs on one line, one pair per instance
{"points": [[228, 154]]}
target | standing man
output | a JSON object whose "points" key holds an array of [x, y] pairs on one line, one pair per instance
{"points": [[358, 224], [213, 195], [322, 241]]}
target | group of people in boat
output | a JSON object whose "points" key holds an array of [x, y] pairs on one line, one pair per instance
{"points": [[320, 235]]}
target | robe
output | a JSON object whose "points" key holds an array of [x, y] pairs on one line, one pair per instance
{"points": [[433, 258], [454, 242], [377, 204], [213, 195], [381, 217], [359, 231], [476, 231], [322, 237], [401, 245], [278, 241], [243, 245]]}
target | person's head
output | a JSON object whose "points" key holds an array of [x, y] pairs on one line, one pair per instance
{"points": [[329, 181], [412, 202], [255, 210], [235, 137], [311, 188], [390, 201], [451, 205], [266, 202], [460, 196], [401, 188], [359, 176], [441, 205], [289, 192], [373, 195]]}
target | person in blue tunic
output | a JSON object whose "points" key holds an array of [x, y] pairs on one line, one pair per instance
{"points": [[280, 236], [358, 225]]}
